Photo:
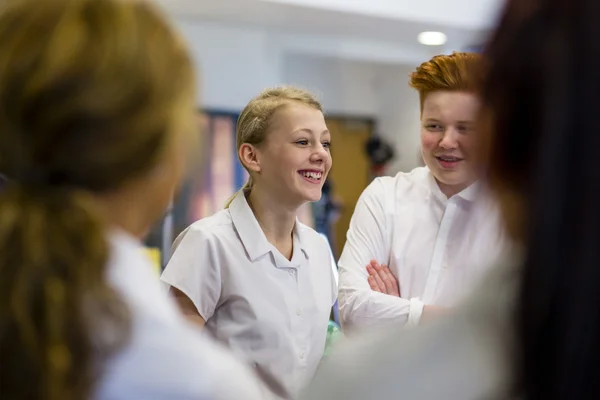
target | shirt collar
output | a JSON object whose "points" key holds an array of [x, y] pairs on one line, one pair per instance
{"points": [[253, 238], [468, 194]]}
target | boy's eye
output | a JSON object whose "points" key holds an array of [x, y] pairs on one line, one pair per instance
{"points": [[433, 127]]}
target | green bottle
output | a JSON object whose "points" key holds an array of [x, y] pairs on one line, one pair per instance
{"points": [[334, 333]]}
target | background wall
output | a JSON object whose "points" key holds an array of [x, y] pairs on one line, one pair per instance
{"points": [[236, 63], [356, 55], [351, 87]]}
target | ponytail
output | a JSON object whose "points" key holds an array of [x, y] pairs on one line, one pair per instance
{"points": [[79, 119], [54, 302], [245, 189]]}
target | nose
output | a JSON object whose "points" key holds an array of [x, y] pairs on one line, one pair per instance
{"points": [[449, 140], [320, 154]]}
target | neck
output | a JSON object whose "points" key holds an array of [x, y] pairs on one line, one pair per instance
{"points": [[276, 220], [451, 190], [120, 211]]}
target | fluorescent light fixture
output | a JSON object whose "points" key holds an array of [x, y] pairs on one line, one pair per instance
{"points": [[432, 38]]}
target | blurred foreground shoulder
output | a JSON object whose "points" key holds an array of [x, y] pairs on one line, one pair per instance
{"points": [[465, 355], [177, 362]]}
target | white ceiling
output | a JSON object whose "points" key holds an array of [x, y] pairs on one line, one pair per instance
{"points": [[474, 14], [390, 22]]}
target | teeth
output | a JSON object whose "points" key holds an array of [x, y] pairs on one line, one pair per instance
{"points": [[312, 175]]}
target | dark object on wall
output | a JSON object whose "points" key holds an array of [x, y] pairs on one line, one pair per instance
{"points": [[380, 154], [379, 151]]}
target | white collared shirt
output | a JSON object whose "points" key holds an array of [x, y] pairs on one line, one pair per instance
{"points": [[165, 357], [269, 310], [436, 247]]}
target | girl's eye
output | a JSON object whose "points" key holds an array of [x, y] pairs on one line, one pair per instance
{"points": [[302, 142], [327, 145]]}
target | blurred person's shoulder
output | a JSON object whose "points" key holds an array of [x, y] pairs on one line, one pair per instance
{"points": [[465, 355], [176, 361], [165, 357]]}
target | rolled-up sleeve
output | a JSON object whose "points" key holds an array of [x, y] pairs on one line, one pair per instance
{"points": [[369, 238]]}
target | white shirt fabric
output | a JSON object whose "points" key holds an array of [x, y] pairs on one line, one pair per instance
{"points": [[470, 354], [269, 310], [165, 358], [436, 247]]}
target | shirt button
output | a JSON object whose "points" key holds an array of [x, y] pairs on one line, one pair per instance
{"points": [[298, 312], [291, 272], [302, 355]]}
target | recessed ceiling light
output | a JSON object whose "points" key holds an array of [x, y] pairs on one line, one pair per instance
{"points": [[432, 38]]}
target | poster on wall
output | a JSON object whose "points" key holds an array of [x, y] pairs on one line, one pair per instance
{"points": [[213, 179]]}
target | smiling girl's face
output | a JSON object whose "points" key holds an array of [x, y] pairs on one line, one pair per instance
{"points": [[293, 162]]}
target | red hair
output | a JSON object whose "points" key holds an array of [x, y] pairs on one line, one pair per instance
{"points": [[458, 72]]}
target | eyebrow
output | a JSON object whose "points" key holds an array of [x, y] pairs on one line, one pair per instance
{"points": [[310, 131], [458, 122]]}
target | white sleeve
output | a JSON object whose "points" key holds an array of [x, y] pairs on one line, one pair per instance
{"points": [[331, 265], [368, 239], [194, 270]]}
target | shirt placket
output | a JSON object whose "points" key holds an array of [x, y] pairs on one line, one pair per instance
{"points": [[439, 252]]}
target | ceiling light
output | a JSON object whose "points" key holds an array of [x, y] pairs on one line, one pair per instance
{"points": [[432, 38]]}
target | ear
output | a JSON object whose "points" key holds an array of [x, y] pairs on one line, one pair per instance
{"points": [[249, 157]]}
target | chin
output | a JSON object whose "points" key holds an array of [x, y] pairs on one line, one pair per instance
{"points": [[315, 198], [450, 177], [311, 197]]}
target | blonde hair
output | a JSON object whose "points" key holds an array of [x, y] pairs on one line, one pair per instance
{"points": [[460, 71], [90, 91], [254, 121]]}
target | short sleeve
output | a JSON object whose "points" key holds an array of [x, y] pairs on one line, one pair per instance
{"points": [[194, 270]]}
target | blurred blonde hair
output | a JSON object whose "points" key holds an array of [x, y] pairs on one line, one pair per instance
{"points": [[92, 93], [254, 121]]}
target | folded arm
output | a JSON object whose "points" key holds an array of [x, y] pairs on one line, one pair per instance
{"points": [[369, 239]]}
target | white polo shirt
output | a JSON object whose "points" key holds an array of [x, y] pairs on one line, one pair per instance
{"points": [[438, 248], [269, 310]]}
